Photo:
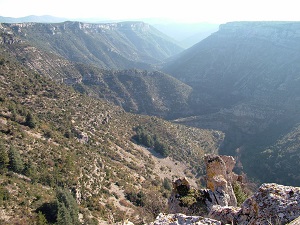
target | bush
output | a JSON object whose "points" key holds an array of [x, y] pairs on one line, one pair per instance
{"points": [[167, 184], [138, 199], [240, 195], [41, 219]]}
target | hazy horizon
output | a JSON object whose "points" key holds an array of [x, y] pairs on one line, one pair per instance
{"points": [[189, 11]]}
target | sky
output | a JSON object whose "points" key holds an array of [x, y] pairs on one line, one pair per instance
{"points": [[214, 11]]}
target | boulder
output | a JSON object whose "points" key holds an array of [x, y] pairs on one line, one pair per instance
{"points": [[181, 219]]}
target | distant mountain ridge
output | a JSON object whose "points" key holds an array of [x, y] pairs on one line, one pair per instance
{"points": [[111, 45], [32, 18]]}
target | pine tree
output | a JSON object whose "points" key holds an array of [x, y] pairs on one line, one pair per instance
{"points": [[4, 160], [67, 213], [15, 161], [63, 215], [41, 219], [30, 121], [161, 148]]}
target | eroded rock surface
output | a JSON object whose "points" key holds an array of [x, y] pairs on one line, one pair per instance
{"points": [[271, 204], [219, 177], [181, 219]]}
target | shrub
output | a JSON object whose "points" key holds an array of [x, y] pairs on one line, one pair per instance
{"points": [[138, 199], [41, 219], [240, 195]]}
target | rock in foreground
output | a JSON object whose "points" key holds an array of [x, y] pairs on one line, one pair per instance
{"points": [[271, 204], [181, 219]]}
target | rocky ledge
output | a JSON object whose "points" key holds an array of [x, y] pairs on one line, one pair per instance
{"points": [[270, 204]]}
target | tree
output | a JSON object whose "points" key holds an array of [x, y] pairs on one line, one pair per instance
{"points": [[161, 147], [30, 121], [63, 215], [15, 161], [41, 219], [4, 160], [67, 208], [30, 171]]}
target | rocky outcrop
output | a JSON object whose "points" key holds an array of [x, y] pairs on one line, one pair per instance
{"points": [[219, 178], [181, 219], [271, 204]]}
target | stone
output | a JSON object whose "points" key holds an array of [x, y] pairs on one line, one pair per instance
{"points": [[181, 219], [295, 222], [271, 204], [219, 190], [219, 178]]}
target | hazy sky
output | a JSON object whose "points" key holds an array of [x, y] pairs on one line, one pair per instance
{"points": [[181, 10]]}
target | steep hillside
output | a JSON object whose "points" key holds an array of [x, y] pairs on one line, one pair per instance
{"points": [[246, 60], [245, 80], [143, 92], [62, 153], [111, 45], [151, 93], [284, 154]]}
